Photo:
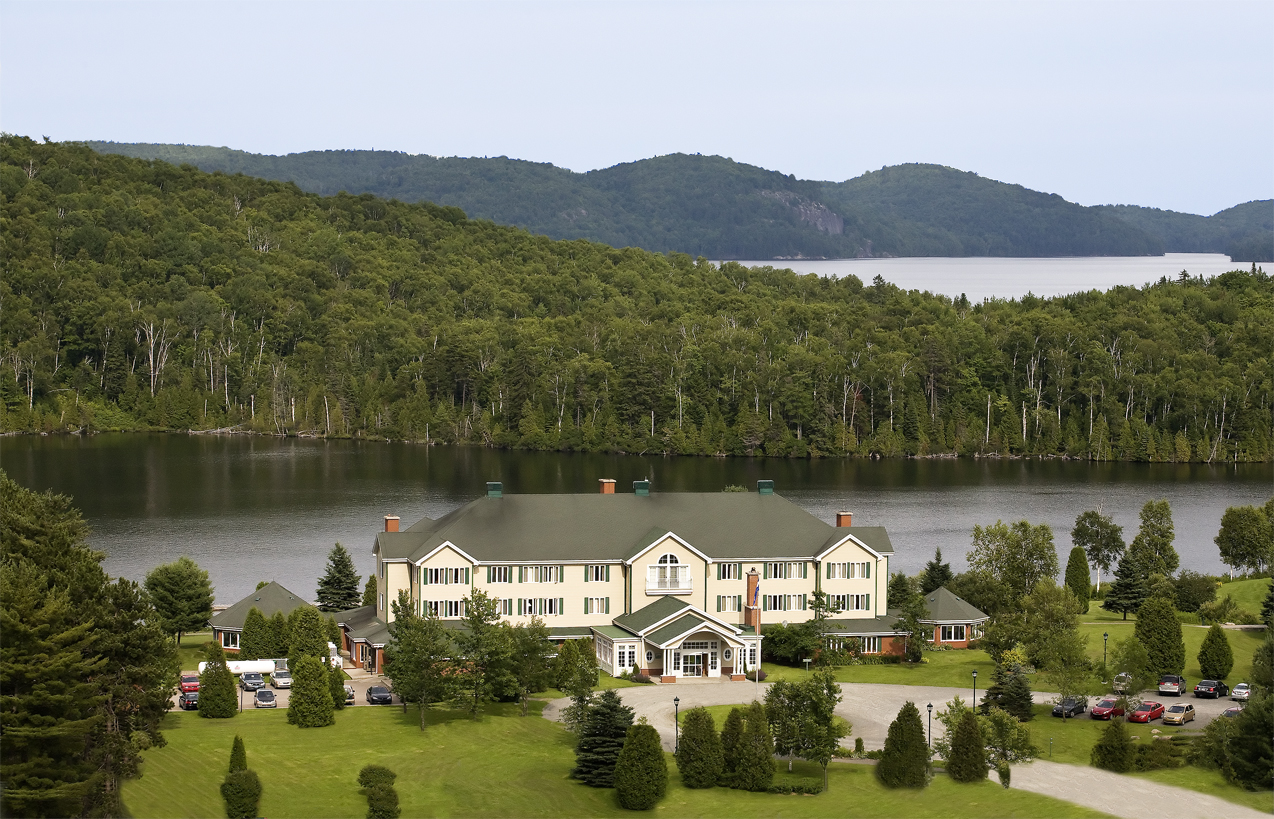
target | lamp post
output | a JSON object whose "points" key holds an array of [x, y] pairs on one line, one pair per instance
{"points": [[1105, 635], [930, 725], [807, 664], [975, 688], [676, 724]]}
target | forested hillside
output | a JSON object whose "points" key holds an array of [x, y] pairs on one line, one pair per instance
{"points": [[708, 205], [1244, 232], [137, 294]]}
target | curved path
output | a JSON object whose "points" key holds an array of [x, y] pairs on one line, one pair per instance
{"points": [[871, 707]]}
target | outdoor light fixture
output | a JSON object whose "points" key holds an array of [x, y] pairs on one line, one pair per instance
{"points": [[1105, 635], [931, 725], [975, 688], [676, 725]]}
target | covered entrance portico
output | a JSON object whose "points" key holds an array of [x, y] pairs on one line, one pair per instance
{"points": [[673, 640]]}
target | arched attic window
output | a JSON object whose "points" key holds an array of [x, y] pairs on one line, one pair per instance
{"points": [[669, 574], [668, 558]]}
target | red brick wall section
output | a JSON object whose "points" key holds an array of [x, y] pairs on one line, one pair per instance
{"points": [[893, 645]]}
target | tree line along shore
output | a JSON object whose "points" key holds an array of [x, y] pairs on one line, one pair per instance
{"points": [[140, 295]]}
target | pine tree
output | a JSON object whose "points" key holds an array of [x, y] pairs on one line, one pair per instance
{"points": [[1251, 747], [699, 756], [280, 636], [238, 755], [256, 643], [601, 739], [1129, 590], [308, 636], [369, 591], [1077, 577], [336, 685], [731, 733], [217, 699], [182, 596], [641, 772], [905, 760], [754, 753], [310, 705], [241, 791], [936, 574], [1153, 543], [1114, 751], [1159, 630], [968, 751], [338, 587], [1017, 697], [1216, 659]]}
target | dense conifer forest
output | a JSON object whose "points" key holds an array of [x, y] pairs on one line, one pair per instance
{"points": [[722, 209], [141, 295]]}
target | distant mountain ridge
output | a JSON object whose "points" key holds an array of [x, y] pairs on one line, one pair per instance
{"points": [[715, 207]]}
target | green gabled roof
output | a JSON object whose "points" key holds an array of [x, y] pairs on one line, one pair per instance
{"points": [[943, 606], [874, 537], [722, 525], [849, 627], [268, 599], [376, 632], [676, 628], [355, 618], [569, 632], [645, 617], [614, 632]]}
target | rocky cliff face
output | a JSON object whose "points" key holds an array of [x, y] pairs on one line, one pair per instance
{"points": [[816, 213]]}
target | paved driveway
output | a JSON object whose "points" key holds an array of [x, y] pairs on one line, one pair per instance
{"points": [[360, 684]]}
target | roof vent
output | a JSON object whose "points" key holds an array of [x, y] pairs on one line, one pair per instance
{"points": [[495, 489], [641, 488], [765, 487]]}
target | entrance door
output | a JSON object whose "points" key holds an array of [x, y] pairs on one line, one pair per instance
{"points": [[691, 665]]}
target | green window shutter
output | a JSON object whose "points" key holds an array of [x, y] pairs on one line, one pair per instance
{"points": [[869, 602], [765, 571], [829, 571], [718, 602], [521, 574], [805, 571], [588, 572], [586, 608], [738, 602], [608, 605], [765, 603], [468, 578], [561, 606], [718, 571], [738, 571], [489, 569], [608, 580], [804, 603], [869, 570], [424, 576]]}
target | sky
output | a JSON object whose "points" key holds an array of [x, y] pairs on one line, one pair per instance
{"points": [[1167, 105]]}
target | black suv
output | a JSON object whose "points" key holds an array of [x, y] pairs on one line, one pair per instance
{"points": [[251, 681]]}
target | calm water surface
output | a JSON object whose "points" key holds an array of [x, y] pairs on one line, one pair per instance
{"points": [[252, 508], [981, 277]]}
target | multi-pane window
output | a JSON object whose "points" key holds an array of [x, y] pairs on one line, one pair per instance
{"points": [[542, 606], [596, 574], [499, 574], [729, 602], [729, 571], [230, 639], [597, 605], [785, 571], [668, 574], [952, 634], [539, 574], [444, 576], [848, 571], [752, 657], [506, 606], [871, 645], [783, 602], [445, 608], [697, 645], [850, 602]]}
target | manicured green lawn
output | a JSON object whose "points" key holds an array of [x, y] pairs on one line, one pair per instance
{"points": [[1242, 643], [946, 668], [190, 652], [503, 766], [604, 681], [1248, 594], [1211, 782]]}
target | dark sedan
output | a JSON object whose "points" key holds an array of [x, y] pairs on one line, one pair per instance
{"points": [[189, 700], [1211, 688], [251, 681], [379, 695], [1106, 709], [1146, 712], [1069, 707]]}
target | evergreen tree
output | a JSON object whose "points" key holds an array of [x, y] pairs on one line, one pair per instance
{"points": [[256, 642], [641, 772], [1077, 577], [382, 802], [731, 733], [338, 587], [1251, 746], [1114, 751], [754, 753], [905, 760], [217, 698], [699, 756], [1267, 607], [310, 704], [1101, 539], [601, 739], [1129, 590], [280, 636], [1009, 691], [308, 636], [238, 755], [369, 591], [1159, 630], [936, 574], [241, 791], [336, 685], [1216, 659], [968, 751], [182, 596], [1153, 544]]}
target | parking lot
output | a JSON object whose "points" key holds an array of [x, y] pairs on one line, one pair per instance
{"points": [[360, 683]]}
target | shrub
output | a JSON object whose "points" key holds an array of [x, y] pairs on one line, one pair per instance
{"points": [[731, 733], [1194, 590], [754, 770], [336, 686], [756, 675], [1216, 659], [699, 757], [641, 773], [311, 704], [1210, 750], [376, 776], [1114, 751], [1158, 754], [602, 735], [968, 752], [217, 699], [1251, 747], [1004, 772], [238, 756], [804, 784], [859, 749], [904, 762], [1159, 630], [382, 803], [242, 792]]}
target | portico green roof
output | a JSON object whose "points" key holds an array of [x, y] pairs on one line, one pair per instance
{"points": [[647, 616], [268, 599], [578, 528], [676, 628]]}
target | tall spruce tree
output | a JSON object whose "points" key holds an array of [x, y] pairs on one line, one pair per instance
{"points": [[338, 587], [1114, 750], [905, 760], [1077, 577], [1153, 543], [1216, 658], [699, 756], [731, 733], [968, 751], [1129, 590], [1159, 630], [238, 755], [217, 698], [369, 591], [641, 772], [308, 636], [754, 753], [256, 642], [310, 703], [601, 739], [936, 574]]}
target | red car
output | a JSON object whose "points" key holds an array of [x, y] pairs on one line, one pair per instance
{"points": [[189, 682], [1106, 709], [1146, 712]]}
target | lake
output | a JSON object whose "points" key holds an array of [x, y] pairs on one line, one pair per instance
{"points": [[252, 508], [980, 277]]}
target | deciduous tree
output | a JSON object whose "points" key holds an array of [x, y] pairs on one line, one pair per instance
{"points": [[1019, 554], [182, 595], [1246, 538], [482, 652], [418, 657], [530, 659], [1153, 544], [1101, 539]]}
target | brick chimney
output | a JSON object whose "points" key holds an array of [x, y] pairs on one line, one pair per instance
{"points": [[844, 518], [606, 486], [752, 604], [391, 523]]}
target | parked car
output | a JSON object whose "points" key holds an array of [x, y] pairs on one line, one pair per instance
{"points": [[1211, 688], [1232, 711], [1106, 709], [349, 695], [1178, 714], [1146, 712], [1070, 707], [1241, 692], [264, 698], [379, 695], [281, 679], [189, 700], [189, 682], [251, 681], [1172, 684], [1121, 682]]}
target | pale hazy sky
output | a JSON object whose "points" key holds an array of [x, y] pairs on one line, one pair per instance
{"points": [[1163, 104]]}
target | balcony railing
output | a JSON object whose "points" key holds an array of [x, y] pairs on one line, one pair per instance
{"points": [[669, 580]]}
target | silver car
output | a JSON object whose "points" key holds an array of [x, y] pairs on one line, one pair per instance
{"points": [[264, 698], [1241, 692], [281, 679]]}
